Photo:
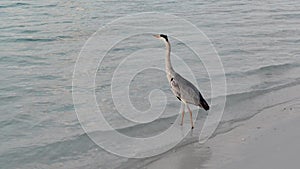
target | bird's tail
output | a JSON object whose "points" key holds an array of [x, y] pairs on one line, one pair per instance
{"points": [[203, 103]]}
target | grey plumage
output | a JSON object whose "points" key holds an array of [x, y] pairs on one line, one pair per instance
{"points": [[187, 92], [184, 90]]}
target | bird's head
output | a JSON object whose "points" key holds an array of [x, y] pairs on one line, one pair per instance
{"points": [[162, 37]]}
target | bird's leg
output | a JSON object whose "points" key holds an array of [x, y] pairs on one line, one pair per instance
{"points": [[182, 109], [191, 116]]}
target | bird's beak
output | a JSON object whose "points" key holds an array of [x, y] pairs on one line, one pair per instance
{"points": [[157, 36]]}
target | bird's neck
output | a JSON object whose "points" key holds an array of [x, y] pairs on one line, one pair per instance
{"points": [[169, 68]]}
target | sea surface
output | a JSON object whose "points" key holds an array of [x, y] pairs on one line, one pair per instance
{"points": [[257, 41]]}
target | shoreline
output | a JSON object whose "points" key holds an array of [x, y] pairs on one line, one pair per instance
{"points": [[269, 139]]}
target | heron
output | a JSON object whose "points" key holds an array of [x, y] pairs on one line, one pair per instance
{"points": [[184, 90]]}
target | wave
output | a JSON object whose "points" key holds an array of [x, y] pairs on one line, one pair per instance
{"points": [[269, 69], [15, 5], [272, 68], [31, 39]]}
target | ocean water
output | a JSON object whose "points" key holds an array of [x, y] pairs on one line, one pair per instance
{"points": [[258, 43]]}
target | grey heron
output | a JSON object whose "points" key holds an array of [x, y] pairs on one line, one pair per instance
{"points": [[184, 90]]}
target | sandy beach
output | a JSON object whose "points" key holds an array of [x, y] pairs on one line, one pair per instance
{"points": [[270, 139]]}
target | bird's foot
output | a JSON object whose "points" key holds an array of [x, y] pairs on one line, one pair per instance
{"points": [[192, 127]]}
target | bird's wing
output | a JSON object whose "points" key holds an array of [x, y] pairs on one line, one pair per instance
{"points": [[187, 91]]}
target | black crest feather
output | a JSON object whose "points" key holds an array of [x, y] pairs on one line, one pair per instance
{"points": [[164, 36]]}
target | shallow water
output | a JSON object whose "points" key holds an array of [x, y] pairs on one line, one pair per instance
{"points": [[258, 43]]}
